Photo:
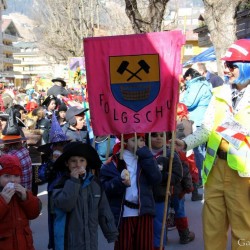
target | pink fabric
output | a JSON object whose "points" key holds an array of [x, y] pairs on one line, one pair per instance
{"points": [[115, 65]]}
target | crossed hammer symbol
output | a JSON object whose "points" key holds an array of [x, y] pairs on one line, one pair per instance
{"points": [[124, 67]]}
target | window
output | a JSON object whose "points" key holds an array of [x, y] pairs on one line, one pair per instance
{"points": [[188, 49]]}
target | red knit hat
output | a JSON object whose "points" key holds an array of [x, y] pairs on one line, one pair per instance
{"points": [[10, 164], [182, 111]]}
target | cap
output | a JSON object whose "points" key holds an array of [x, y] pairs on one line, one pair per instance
{"points": [[238, 51], [10, 164], [73, 111]]}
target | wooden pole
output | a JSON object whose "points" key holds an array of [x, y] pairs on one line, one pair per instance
{"points": [[167, 189]]}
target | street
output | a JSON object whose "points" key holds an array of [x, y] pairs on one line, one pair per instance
{"points": [[193, 211]]}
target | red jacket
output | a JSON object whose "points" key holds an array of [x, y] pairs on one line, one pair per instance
{"points": [[15, 232]]}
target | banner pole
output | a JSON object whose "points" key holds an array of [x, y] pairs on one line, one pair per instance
{"points": [[168, 188]]}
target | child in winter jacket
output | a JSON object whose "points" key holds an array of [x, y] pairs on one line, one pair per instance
{"points": [[17, 207], [181, 183], [79, 202], [128, 183]]}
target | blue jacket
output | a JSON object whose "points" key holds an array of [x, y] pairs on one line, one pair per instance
{"points": [[197, 97], [148, 174]]}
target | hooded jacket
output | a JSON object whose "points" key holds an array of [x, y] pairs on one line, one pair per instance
{"points": [[79, 206], [197, 97]]}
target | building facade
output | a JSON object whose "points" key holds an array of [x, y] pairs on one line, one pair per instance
{"points": [[31, 63], [186, 19], [3, 6], [10, 35]]}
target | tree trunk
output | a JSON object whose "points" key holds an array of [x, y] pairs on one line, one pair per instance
{"points": [[220, 17], [152, 19]]}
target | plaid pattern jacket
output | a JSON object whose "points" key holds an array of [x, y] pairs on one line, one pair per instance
{"points": [[26, 164]]}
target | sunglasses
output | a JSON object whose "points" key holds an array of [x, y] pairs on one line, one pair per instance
{"points": [[230, 66], [156, 134]]}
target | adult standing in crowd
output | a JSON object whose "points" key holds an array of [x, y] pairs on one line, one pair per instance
{"points": [[214, 79], [226, 174], [196, 97], [58, 90]]}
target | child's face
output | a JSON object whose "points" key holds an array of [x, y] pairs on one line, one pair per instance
{"points": [[62, 114], [80, 121], [131, 143], [6, 178], [52, 105], [156, 140], [77, 164]]}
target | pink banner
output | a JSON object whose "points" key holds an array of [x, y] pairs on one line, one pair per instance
{"points": [[133, 82]]}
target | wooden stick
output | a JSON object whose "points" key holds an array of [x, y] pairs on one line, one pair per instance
{"points": [[167, 189], [164, 145], [135, 149], [149, 141]]}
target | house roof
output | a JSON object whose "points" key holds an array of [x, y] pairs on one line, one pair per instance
{"points": [[9, 24]]}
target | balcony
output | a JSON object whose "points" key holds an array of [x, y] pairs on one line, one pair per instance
{"points": [[10, 48], [9, 37], [11, 60]]}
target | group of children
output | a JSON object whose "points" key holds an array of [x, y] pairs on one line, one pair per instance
{"points": [[125, 195]]}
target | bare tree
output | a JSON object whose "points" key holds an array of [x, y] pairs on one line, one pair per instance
{"points": [[62, 24], [220, 18], [148, 20]]}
